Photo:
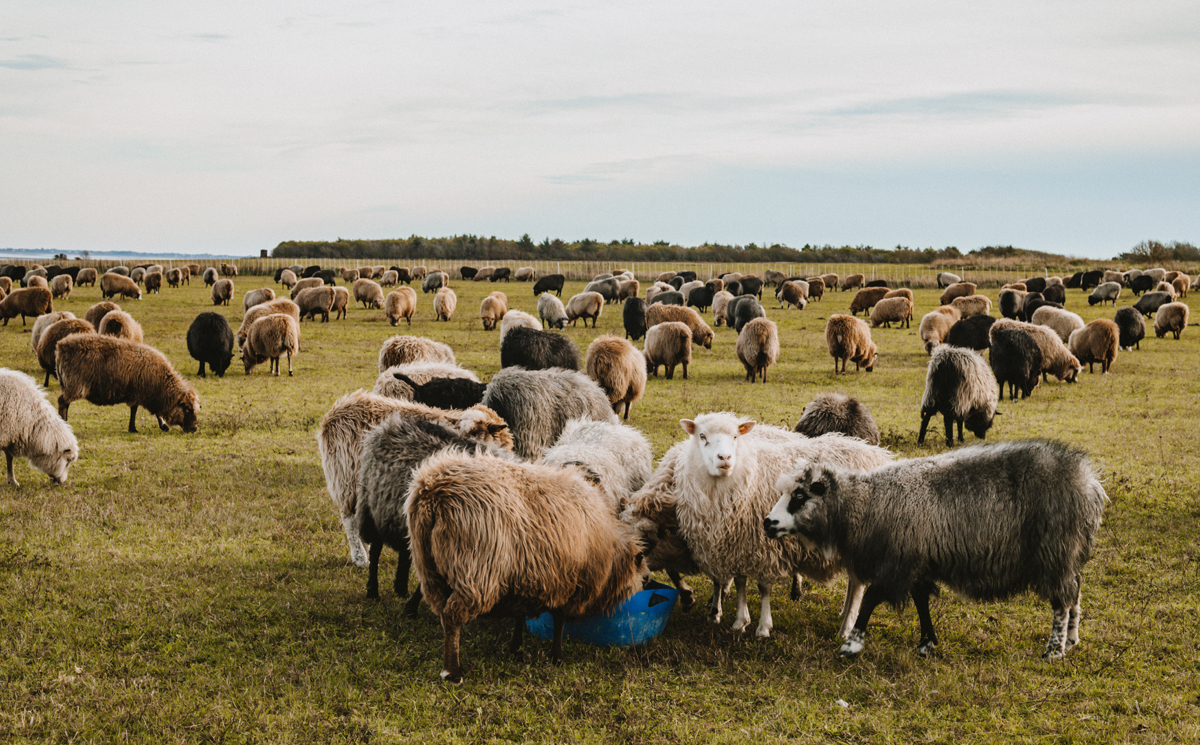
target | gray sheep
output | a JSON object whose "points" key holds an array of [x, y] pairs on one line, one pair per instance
{"points": [[537, 404], [837, 412], [960, 386]]}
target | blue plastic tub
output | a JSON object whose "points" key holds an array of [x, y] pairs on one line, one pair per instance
{"points": [[637, 620]]}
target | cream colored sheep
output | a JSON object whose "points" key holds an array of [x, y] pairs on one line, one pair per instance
{"points": [[849, 339], [444, 303], [758, 347]]}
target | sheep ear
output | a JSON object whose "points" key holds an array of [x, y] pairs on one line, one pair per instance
{"points": [[496, 428], [688, 426], [746, 426]]}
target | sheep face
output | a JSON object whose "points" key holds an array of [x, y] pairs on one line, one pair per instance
{"points": [[55, 463], [716, 442], [182, 415], [806, 498]]}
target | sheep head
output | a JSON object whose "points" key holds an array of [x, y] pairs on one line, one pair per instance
{"points": [[715, 438]]}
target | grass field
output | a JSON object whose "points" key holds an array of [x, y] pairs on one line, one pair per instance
{"points": [[197, 587]]}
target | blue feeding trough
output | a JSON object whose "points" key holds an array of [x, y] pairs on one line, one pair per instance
{"points": [[637, 620]]}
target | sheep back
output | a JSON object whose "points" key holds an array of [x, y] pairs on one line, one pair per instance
{"points": [[28, 302], [837, 412], [210, 341], [1171, 317], [402, 350], [618, 368], [848, 339], [537, 404], [534, 349], [758, 347]]}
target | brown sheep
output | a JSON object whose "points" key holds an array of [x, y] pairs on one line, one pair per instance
{"points": [[701, 333], [1057, 360], [304, 284], [222, 291], [866, 298], [269, 338], [585, 305], [153, 281], [629, 288], [936, 324], [368, 293], [106, 370], [366, 272], [341, 300], [484, 273], [816, 288], [901, 292], [174, 277], [86, 276], [849, 339], [43, 322], [278, 305], [403, 350], [60, 286], [758, 347], [792, 293], [185, 275], [418, 272], [853, 281], [491, 310], [195, 270], [228, 270], [1021, 286], [389, 278], [619, 368], [495, 536], [288, 279], [719, 306], [28, 301], [112, 285], [665, 277], [52, 336], [444, 303], [668, 344], [350, 276], [1172, 317], [120, 324], [1170, 276], [400, 303], [257, 297], [6, 284], [315, 300], [958, 289], [889, 310], [1182, 284], [37, 281], [831, 280], [98, 311], [973, 305], [1098, 341]]}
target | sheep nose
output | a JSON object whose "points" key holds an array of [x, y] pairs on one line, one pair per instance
{"points": [[769, 526]]}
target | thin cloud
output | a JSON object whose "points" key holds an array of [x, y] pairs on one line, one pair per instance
{"points": [[969, 104], [34, 62]]}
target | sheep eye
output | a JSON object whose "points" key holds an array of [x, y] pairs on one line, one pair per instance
{"points": [[818, 488]]}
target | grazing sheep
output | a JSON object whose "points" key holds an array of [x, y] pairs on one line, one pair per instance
{"points": [[491, 311], [743, 309], [866, 298], [619, 369], [444, 303], [758, 347], [349, 276], [222, 291], [720, 306], [287, 278], [418, 272], [122, 270], [1057, 360], [666, 345], [773, 277], [629, 288], [28, 301], [1149, 303], [552, 311], [849, 339], [585, 305], [677, 282], [54, 333], [550, 283], [98, 311], [404, 350], [1172, 317], [1055, 294], [614, 457], [793, 292], [816, 288], [257, 297], [45, 321], [174, 277], [514, 319], [534, 349], [1032, 302], [1132, 327], [305, 284], [1106, 292], [1111, 276], [112, 285], [751, 286], [228, 270], [484, 273], [686, 290], [86, 276], [400, 303], [341, 299], [368, 293], [1030, 523], [945, 279], [936, 324], [494, 536], [1141, 283], [959, 386], [37, 281], [837, 412], [702, 334], [1096, 342], [210, 276], [666, 297], [877, 283], [971, 333], [33, 430], [1180, 284], [122, 325], [210, 341], [1011, 301], [898, 310], [1091, 279], [1036, 284], [315, 300], [831, 280], [537, 404], [1060, 321], [900, 292], [435, 281], [1167, 288], [958, 289], [1169, 277], [523, 274], [973, 305], [441, 393], [278, 305], [389, 278], [1015, 286], [1016, 360], [106, 370], [269, 338], [853, 281], [400, 381], [654, 290], [60, 286], [700, 298]]}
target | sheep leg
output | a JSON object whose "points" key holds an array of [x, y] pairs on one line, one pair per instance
{"points": [[514, 644], [949, 422], [1056, 645], [47, 383], [670, 371], [1075, 610], [686, 599], [924, 426], [414, 602], [403, 565], [162, 423], [627, 403], [12, 477], [560, 622], [854, 598], [373, 570], [63, 405], [856, 640], [357, 552], [765, 623], [684, 363], [741, 619], [920, 595], [451, 667], [717, 601], [797, 586], [133, 418], [201, 373], [289, 355]]}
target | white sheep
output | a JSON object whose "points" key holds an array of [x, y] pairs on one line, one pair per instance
{"points": [[33, 429]]}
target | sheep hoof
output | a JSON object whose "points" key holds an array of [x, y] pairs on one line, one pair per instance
{"points": [[925, 648], [12, 481], [686, 601], [853, 646], [450, 678], [1052, 654]]}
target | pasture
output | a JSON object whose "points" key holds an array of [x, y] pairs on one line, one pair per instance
{"points": [[198, 587]]}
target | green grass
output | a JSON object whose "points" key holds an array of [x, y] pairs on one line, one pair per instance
{"points": [[197, 587]]}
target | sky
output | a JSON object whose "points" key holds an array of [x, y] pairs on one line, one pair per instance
{"points": [[227, 127]]}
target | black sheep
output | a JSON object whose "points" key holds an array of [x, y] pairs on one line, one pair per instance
{"points": [[744, 310], [433, 281], [1075, 281], [1035, 284], [468, 272], [676, 282], [1010, 303], [734, 288], [688, 275], [1142, 283], [634, 315], [445, 393], [700, 298], [550, 283], [402, 274], [538, 350], [310, 271], [668, 297], [279, 273], [1149, 303], [328, 275], [1131, 327], [1017, 360], [970, 333], [1033, 301], [501, 273], [210, 340], [1091, 279], [1055, 294], [751, 286], [877, 283]]}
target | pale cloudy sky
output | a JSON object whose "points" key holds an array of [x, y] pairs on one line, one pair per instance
{"points": [[230, 126]]}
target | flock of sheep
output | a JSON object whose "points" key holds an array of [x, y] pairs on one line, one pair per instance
{"points": [[528, 494]]}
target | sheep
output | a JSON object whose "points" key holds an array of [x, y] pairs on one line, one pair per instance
{"points": [[1090, 279], [523, 274], [210, 341], [970, 333], [837, 412], [1170, 277], [1016, 360], [793, 292], [484, 273], [758, 347], [48, 341], [1180, 284], [418, 272], [629, 288], [1031, 303], [816, 288], [831, 280], [1149, 303], [551, 311], [86, 276], [122, 325], [666, 345], [959, 386], [619, 369], [891, 310], [853, 281], [945, 279], [1036, 284], [315, 300], [1106, 292], [654, 290], [222, 291], [677, 282], [228, 270], [1167, 288], [210, 276], [1015, 286], [773, 277], [1096, 342], [491, 311], [367, 292], [1172, 317], [936, 324], [720, 306], [1130, 275], [349, 276], [958, 289], [534, 349], [444, 303], [459, 392], [60, 286], [537, 404], [112, 285], [402, 274], [666, 297], [435, 281], [550, 283], [404, 350], [1055, 294], [702, 334], [900, 292], [269, 338], [1111, 276], [973, 305], [849, 339], [585, 305], [866, 298], [106, 370], [1057, 360], [744, 309], [1132, 327], [400, 303], [1011, 301], [1030, 523], [615, 458], [174, 277], [27, 301], [45, 321], [701, 298], [98, 311], [751, 286], [33, 430], [257, 297], [1141, 283], [122, 270], [494, 536], [1060, 321], [37, 281], [278, 305], [686, 289], [877, 283]]}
